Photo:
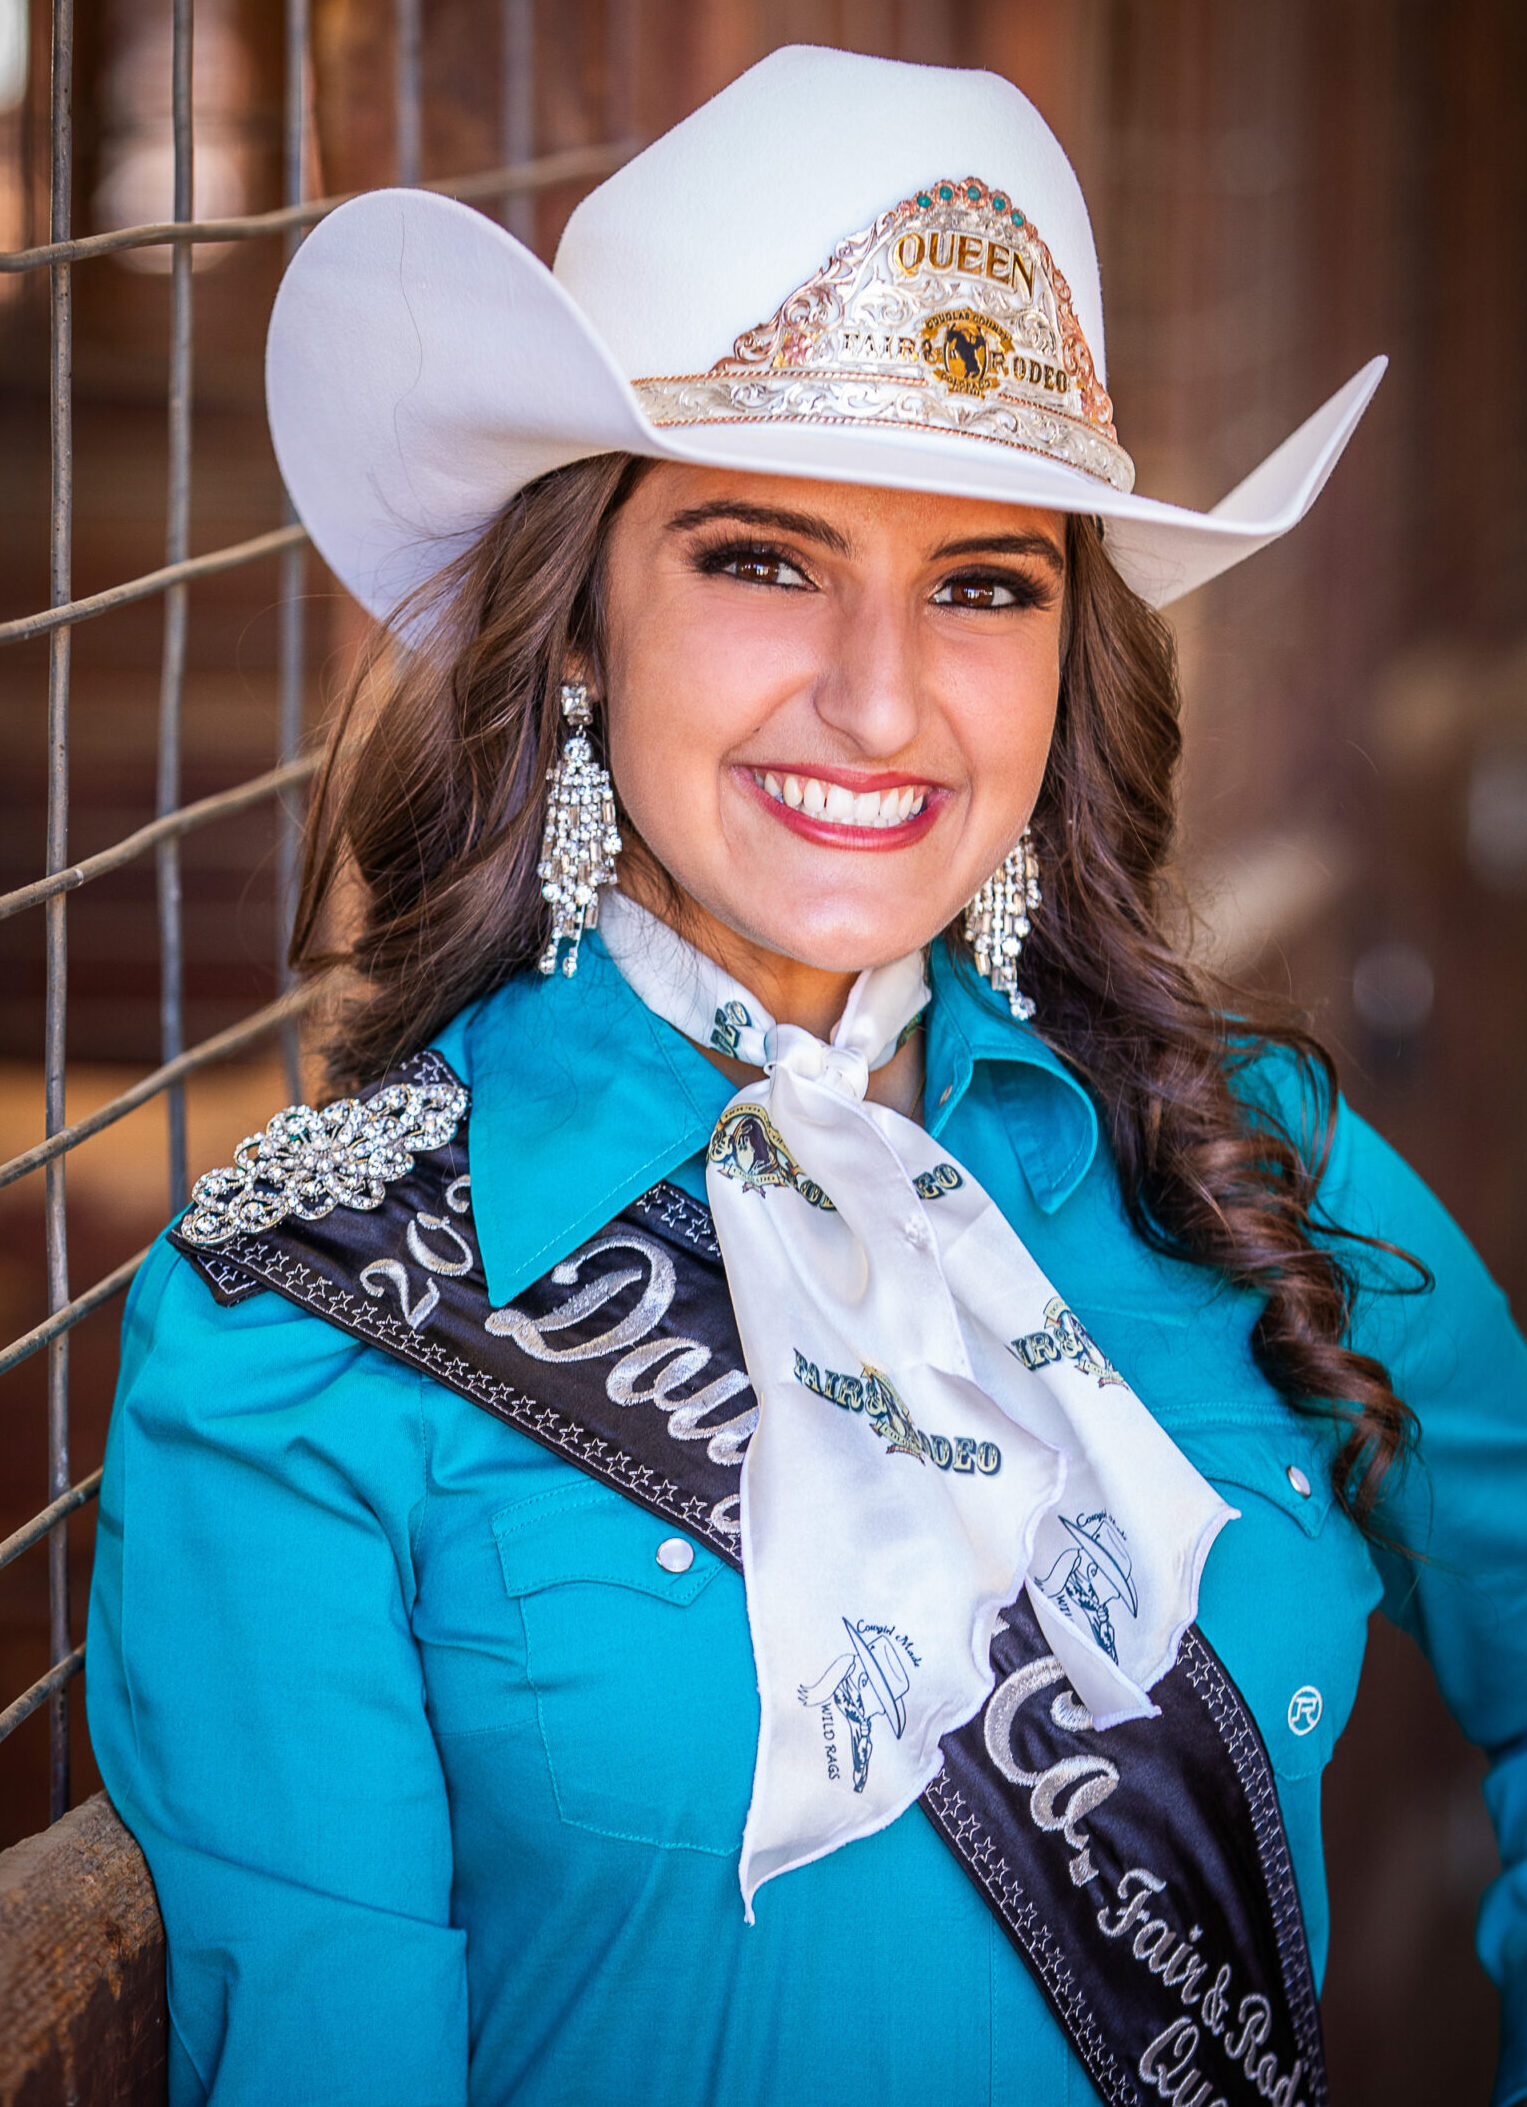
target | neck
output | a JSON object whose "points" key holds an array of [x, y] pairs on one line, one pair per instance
{"points": [[792, 993]]}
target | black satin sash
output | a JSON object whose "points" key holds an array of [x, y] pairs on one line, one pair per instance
{"points": [[1142, 1873]]}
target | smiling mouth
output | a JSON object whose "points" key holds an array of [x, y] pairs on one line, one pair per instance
{"points": [[834, 805]]}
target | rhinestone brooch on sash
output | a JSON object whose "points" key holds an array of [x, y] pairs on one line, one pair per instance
{"points": [[947, 314], [307, 1162]]}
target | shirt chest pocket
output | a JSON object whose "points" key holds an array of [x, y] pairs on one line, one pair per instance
{"points": [[1288, 1588], [637, 1650]]}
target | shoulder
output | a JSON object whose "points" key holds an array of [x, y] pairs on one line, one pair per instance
{"points": [[216, 1358], [211, 1394], [1366, 1189], [246, 1441], [1418, 1284], [175, 1319], [1424, 1302], [1283, 1089]]}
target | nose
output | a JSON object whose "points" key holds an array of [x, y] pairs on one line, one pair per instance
{"points": [[871, 688]]}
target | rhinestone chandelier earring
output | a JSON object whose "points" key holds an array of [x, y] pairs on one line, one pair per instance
{"points": [[997, 921], [581, 841]]}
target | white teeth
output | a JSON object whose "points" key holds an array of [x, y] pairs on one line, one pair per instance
{"points": [[839, 805]]}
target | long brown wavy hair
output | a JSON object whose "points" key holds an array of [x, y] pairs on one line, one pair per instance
{"points": [[430, 809]]}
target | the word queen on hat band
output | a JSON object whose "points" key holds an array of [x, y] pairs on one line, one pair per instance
{"points": [[841, 268]]}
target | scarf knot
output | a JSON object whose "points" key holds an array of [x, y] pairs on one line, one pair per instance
{"points": [[791, 1050]]}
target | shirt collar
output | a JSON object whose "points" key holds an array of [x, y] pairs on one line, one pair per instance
{"points": [[1047, 1111], [582, 1099]]}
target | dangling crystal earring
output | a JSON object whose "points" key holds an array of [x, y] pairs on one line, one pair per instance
{"points": [[581, 839], [997, 921]]}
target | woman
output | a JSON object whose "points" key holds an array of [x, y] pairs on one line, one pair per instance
{"points": [[811, 1387]]}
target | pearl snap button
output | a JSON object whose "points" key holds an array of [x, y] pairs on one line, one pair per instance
{"points": [[674, 1555], [1299, 1481]]}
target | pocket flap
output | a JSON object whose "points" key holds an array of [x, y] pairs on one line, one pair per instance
{"points": [[1288, 1465], [587, 1532]]}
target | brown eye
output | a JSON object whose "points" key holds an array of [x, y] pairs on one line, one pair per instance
{"points": [[763, 567], [981, 594]]}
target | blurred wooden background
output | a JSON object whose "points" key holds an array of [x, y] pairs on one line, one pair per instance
{"points": [[1279, 190]]}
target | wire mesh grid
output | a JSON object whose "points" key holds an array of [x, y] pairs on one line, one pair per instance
{"points": [[515, 183]]}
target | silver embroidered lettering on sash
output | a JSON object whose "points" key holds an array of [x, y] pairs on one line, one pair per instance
{"points": [[650, 1371], [1140, 1915], [651, 1366]]}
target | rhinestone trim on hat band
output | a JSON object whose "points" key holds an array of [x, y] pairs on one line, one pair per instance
{"points": [[948, 314]]}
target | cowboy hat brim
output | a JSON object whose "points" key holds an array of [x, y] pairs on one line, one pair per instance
{"points": [[422, 366]]}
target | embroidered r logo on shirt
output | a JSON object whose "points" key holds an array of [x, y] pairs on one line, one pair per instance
{"points": [[1304, 1710]]}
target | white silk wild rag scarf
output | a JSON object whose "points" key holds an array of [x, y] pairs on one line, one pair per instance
{"points": [[936, 1430]]}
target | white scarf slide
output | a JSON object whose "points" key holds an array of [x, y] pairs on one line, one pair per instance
{"points": [[936, 1430]]}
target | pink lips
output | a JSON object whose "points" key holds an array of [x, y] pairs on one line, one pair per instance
{"points": [[833, 834]]}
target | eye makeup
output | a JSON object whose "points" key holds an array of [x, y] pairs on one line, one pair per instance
{"points": [[975, 589], [994, 591], [753, 562]]}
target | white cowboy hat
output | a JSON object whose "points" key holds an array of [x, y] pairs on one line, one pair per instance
{"points": [[839, 267]]}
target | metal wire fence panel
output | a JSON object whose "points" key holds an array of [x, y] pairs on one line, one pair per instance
{"points": [[60, 555], [546, 172], [513, 186], [144, 588], [292, 645]]}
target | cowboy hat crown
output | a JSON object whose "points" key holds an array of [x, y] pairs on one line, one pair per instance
{"points": [[705, 233]]}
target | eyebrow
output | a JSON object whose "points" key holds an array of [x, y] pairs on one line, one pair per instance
{"points": [[804, 524], [1033, 544]]}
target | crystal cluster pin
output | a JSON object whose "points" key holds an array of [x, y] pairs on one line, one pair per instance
{"points": [[307, 1162], [581, 842]]}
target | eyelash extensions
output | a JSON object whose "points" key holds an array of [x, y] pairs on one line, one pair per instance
{"points": [[719, 558]]}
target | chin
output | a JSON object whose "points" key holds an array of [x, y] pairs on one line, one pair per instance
{"points": [[847, 944]]}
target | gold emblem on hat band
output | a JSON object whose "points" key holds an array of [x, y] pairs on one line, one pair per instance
{"points": [[947, 315]]}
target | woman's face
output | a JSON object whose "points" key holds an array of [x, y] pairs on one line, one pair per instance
{"points": [[829, 707]]}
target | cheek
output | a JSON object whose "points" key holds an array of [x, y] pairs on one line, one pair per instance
{"points": [[663, 727], [687, 689], [1003, 712]]}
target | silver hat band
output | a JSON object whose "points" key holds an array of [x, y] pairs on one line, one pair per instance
{"points": [[947, 315]]}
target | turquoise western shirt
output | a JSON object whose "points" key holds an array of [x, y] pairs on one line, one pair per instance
{"points": [[442, 1778]]}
